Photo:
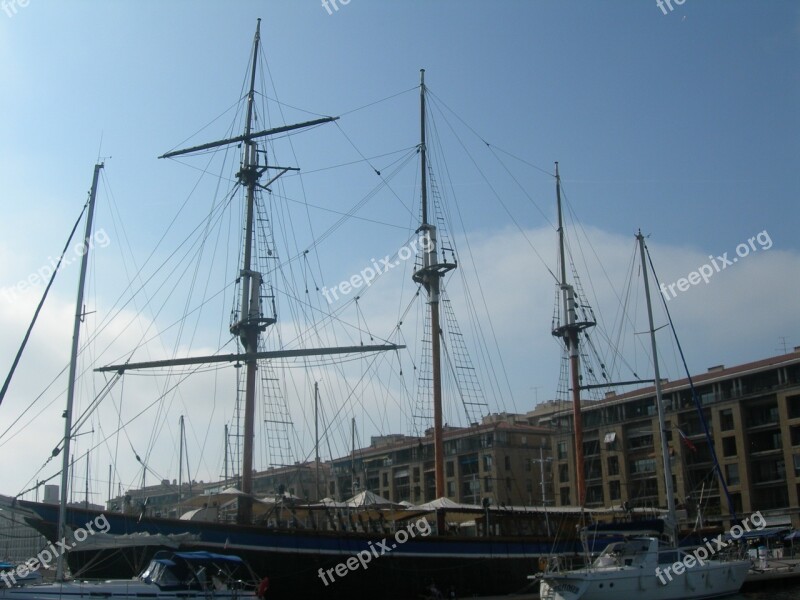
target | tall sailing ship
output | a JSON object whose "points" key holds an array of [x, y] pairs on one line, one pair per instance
{"points": [[293, 558]]}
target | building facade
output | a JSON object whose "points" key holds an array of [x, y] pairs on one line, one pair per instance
{"points": [[753, 416], [504, 459]]}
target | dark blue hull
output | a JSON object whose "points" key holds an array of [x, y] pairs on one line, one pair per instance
{"points": [[292, 559]]}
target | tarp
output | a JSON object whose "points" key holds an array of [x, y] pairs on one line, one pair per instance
{"points": [[369, 499]]}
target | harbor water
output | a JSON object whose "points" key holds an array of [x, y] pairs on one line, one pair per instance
{"points": [[772, 592]]}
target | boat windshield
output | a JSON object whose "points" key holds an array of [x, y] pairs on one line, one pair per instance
{"points": [[197, 571], [621, 554], [162, 573]]}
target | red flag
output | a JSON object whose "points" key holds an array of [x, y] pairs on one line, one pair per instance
{"points": [[687, 441]]}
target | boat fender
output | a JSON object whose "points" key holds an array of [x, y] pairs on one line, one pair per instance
{"points": [[263, 587]]}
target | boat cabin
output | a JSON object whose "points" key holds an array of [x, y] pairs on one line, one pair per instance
{"points": [[198, 571]]}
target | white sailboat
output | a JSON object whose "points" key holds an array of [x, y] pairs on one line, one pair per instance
{"points": [[185, 575], [643, 564]]}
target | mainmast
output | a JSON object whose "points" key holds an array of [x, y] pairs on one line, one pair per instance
{"points": [[662, 427], [73, 363], [429, 275], [251, 323], [569, 329]]}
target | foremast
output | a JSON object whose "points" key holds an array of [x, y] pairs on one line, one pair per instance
{"points": [[569, 331], [429, 275], [250, 323]]}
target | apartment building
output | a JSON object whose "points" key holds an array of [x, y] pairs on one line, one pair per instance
{"points": [[753, 416], [504, 459]]}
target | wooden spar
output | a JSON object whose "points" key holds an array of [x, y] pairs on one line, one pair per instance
{"points": [[218, 358], [430, 275], [568, 330]]}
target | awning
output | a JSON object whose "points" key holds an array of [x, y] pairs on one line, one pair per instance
{"points": [[759, 533]]}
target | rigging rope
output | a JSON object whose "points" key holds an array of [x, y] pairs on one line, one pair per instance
{"points": [[696, 399], [38, 310]]}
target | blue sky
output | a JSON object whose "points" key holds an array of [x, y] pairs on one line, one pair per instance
{"points": [[684, 124]]}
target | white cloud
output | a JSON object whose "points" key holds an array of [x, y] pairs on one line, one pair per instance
{"points": [[736, 317]]}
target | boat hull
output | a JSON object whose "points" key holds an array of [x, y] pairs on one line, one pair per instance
{"points": [[712, 580], [302, 563]]}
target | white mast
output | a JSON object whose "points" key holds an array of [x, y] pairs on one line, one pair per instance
{"points": [[668, 490], [62, 509]]}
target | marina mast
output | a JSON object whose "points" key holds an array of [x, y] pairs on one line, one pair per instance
{"points": [[73, 363]]}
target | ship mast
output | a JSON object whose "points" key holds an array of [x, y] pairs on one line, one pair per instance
{"points": [[429, 275], [668, 489], [251, 323], [569, 329], [73, 363]]}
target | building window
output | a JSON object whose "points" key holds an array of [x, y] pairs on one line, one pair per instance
{"points": [[487, 484], [732, 474], [726, 419], [487, 462], [794, 406], [594, 494], [508, 484], [796, 459], [528, 463], [563, 473], [613, 465], [416, 474], [736, 500], [507, 461], [641, 441], [528, 486], [614, 490], [643, 465], [385, 479], [729, 446], [450, 468], [562, 450], [794, 431], [451, 489], [564, 496]]}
